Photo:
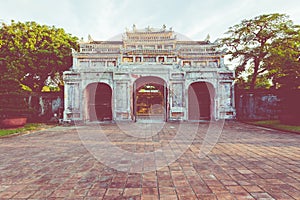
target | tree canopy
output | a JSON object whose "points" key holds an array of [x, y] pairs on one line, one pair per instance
{"points": [[267, 44], [30, 52], [283, 62]]}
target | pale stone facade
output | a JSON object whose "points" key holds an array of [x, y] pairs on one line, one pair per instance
{"points": [[148, 74]]}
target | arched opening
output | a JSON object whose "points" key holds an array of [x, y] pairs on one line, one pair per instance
{"points": [[98, 102], [200, 101], [150, 99]]}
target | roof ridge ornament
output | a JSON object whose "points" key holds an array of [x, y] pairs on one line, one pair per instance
{"points": [[148, 29], [90, 39], [207, 39]]}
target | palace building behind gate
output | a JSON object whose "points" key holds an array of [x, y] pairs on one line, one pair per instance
{"points": [[149, 74]]}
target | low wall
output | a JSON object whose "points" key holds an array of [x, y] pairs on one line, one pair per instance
{"points": [[257, 106], [46, 107]]}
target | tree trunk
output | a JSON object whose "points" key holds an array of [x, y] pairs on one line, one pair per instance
{"points": [[255, 74]]}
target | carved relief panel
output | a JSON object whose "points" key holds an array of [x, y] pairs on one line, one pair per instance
{"points": [[177, 95], [225, 94], [73, 97]]}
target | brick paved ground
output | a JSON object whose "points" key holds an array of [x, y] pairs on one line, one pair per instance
{"points": [[246, 163]]}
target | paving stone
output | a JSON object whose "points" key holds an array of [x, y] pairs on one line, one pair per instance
{"points": [[207, 196], [252, 188], [262, 195], [184, 191], [247, 162], [166, 183], [168, 197], [41, 194], [149, 191], [113, 192], [24, 194], [128, 192], [7, 194], [61, 193], [225, 196], [150, 184], [149, 197], [96, 192]]}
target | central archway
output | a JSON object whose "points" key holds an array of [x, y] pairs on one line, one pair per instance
{"points": [[150, 99]]}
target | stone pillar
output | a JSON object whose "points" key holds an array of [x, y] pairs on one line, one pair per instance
{"points": [[72, 108], [226, 107], [72, 98], [121, 100]]}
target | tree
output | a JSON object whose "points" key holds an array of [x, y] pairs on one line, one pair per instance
{"points": [[284, 61], [252, 41], [262, 80], [30, 52]]}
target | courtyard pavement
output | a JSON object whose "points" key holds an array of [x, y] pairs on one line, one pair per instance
{"points": [[144, 161]]}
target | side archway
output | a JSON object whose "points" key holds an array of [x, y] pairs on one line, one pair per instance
{"points": [[98, 102], [201, 101]]}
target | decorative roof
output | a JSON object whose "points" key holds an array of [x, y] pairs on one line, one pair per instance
{"points": [[169, 34], [148, 29]]}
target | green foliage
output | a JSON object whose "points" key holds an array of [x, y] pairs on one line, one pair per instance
{"points": [[243, 81], [254, 42], [276, 124], [283, 62], [30, 52], [27, 127]]}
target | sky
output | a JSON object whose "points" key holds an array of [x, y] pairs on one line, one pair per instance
{"points": [[104, 19]]}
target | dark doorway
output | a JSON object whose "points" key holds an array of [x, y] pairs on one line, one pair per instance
{"points": [[200, 96], [150, 99], [99, 102]]}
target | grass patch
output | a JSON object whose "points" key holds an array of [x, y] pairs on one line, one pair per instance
{"points": [[27, 127], [276, 125]]}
